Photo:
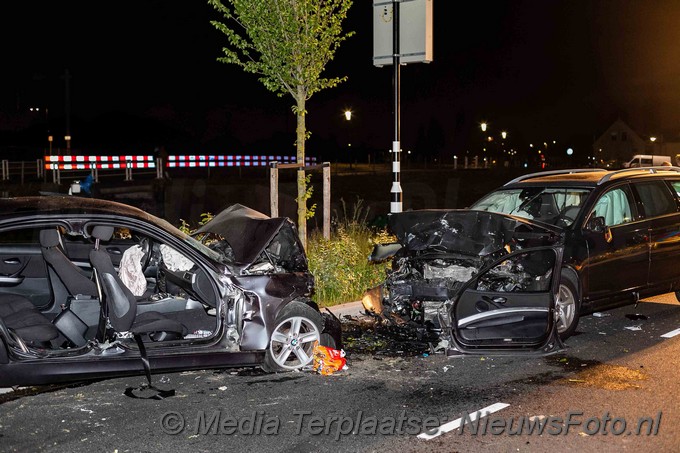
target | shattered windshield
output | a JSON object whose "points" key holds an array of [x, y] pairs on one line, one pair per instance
{"points": [[556, 206]]}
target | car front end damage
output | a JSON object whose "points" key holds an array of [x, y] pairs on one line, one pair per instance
{"points": [[441, 255]]}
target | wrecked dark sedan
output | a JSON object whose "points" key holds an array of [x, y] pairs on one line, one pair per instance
{"points": [[93, 289], [484, 281]]}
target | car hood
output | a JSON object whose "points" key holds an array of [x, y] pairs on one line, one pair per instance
{"points": [[466, 231], [247, 231]]}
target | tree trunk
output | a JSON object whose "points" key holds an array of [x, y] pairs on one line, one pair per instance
{"points": [[301, 186]]}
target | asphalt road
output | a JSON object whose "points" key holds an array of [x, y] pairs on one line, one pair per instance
{"points": [[609, 378]]}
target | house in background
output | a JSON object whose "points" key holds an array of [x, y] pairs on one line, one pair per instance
{"points": [[618, 144]]}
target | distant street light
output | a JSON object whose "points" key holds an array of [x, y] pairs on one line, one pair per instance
{"points": [[483, 126], [504, 135], [652, 139], [348, 117], [47, 121]]}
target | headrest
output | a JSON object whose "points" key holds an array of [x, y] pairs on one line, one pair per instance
{"points": [[103, 233], [49, 238]]}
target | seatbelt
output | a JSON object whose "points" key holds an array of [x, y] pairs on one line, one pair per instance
{"points": [[160, 394]]}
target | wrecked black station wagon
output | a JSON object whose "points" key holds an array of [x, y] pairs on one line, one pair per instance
{"points": [[516, 270]]}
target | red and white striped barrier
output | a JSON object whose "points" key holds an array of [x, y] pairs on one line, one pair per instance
{"points": [[95, 163], [203, 161], [92, 165], [98, 162]]}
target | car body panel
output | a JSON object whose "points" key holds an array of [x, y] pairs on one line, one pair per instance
{"points": [[509, 307], [23, 272]]}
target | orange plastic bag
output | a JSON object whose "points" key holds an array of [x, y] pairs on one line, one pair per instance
{"points": [[328, 360]]}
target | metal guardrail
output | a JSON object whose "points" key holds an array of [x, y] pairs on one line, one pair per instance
{"points": [[22, 169]]}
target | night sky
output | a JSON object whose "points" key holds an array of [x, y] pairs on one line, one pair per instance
{"points": [[144, 73]]}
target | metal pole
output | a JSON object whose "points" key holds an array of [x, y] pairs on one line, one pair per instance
{"points": [[67, 108], [396, 193]]}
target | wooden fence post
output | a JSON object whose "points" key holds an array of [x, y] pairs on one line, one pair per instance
{"points": [[273, 189], [327, 200]]}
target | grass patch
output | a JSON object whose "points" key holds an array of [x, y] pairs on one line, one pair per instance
{"points": [[340, 264]]}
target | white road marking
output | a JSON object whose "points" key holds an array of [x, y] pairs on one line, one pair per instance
{"points": [[671, 334], [450, 426]]}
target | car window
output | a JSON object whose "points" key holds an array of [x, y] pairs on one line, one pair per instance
{"points": [[676, 187], [656, 198], [614, 207], [20, 236], [554, 205]]}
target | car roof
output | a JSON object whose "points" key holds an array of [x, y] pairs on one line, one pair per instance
{"points": [[591, 177], [50, 205]]}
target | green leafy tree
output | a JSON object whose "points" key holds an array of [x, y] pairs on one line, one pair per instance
{"points": [[287, 43]]}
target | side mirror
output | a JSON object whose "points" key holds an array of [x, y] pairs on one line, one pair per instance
{"points": [[382, 252], [596, 223]]}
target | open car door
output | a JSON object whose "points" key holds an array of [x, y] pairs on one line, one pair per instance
{"points": [[508, 308]]}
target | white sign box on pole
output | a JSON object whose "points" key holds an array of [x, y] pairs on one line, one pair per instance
{"points": [[415, 31]]}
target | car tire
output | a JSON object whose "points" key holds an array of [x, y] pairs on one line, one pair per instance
{"points": [[331, 336], [567, 306], [291, 344]]}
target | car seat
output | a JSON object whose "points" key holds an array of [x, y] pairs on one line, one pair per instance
{"points": [[73, 278], [18, 314], [121, 304]]}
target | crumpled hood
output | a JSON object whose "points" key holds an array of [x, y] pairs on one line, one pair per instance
{"points": [[247, 231], [464, 231]]}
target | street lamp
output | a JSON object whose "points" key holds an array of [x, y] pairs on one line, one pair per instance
{"points": [[348, 118], [504, 135], [483, 126], [47, 122]]}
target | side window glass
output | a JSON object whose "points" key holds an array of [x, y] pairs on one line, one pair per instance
{"points": [[22, 236], [614, 207], [656, 198], [676, 187]]}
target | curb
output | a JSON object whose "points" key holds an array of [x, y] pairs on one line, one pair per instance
{"points": [[354, 308]]}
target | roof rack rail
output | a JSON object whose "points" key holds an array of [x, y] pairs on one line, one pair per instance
{"points": [[656, 169], [554, 172]]}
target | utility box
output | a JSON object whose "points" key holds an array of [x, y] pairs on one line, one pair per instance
{"points": [[415, 31]]}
